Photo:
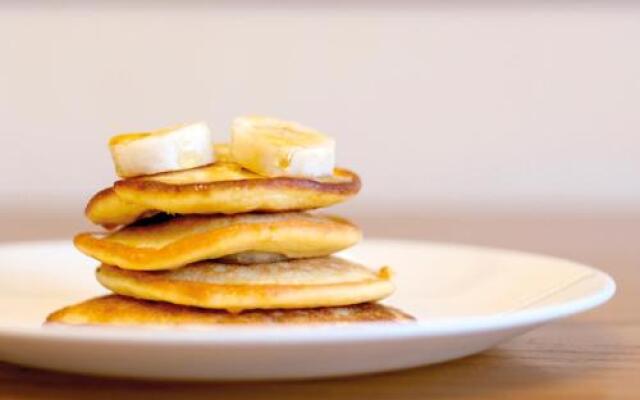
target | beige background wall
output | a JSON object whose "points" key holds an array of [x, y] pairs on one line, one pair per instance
{"points": [[489, 107]]}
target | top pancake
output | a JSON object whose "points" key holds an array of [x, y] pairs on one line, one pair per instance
{"points": [[222, 187], [127, 311]]}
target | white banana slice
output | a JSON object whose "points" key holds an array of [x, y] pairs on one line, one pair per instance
{"points": [[167, 149], [272, 147]]}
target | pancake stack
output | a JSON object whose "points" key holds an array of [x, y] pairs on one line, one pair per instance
{"points": [[220, 243]]}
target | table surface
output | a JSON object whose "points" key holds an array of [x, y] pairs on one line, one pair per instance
{"points": [[592, 356]]}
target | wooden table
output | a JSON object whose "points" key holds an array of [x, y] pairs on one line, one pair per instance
{"points": [[593, 356]]}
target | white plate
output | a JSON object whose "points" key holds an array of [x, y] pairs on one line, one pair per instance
{"points": [[465, 299]]}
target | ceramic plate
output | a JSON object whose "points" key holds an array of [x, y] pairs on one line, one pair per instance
{"points": [[465, 300]]}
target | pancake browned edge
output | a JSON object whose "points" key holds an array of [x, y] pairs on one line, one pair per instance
{"points": [[127, 311], [291, 284], [190, 238], [220, 188]]}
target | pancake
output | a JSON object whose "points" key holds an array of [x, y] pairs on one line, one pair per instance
{"points": [[222, 187], [307, 283], [126, 311], [186, 239]]}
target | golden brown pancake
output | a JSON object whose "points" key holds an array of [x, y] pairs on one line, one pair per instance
{"points": [[306, 283], [222, 187], [187, 239], [127, 311]]}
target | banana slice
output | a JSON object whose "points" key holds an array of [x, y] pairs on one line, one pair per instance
{"points": [[272, 147], [167, 149]]}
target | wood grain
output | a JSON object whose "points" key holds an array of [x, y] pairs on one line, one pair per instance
{"points": [[592, 356]]}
